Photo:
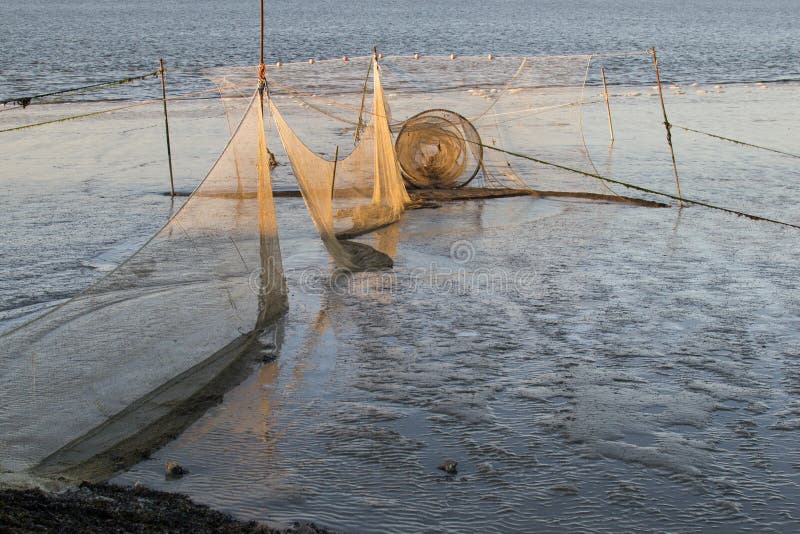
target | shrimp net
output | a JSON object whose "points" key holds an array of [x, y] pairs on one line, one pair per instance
{"points": [[453, 119], [200, 291]]}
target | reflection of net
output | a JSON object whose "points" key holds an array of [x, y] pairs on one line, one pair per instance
{"points": [[439, 148], [201, 287]]}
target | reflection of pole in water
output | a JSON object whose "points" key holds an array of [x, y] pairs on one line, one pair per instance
{"points": [[609, 160], [386, 239]]}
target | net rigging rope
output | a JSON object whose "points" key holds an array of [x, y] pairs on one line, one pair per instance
{"points": [[643, 189], [25, 101], [580, 126], [738, 142], [119, 108]]}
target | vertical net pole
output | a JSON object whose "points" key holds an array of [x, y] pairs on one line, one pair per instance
{"points": [[166, 125], [668, 126], [333, 174], [261, 60], [608, 106], [360, 124], [262, 69]]}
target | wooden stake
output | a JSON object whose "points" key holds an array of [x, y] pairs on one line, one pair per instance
{"points": [[166, 127], [608, 107], [335, 161], [357, 134], [668, 126]]}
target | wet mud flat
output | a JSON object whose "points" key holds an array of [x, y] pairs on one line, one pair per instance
{"points": [[106, 507]]}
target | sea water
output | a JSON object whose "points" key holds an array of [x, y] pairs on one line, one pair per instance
{"points": [[46, 46]]}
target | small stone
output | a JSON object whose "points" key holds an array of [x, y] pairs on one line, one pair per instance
{"points": [[174, 470], [449, 466]]}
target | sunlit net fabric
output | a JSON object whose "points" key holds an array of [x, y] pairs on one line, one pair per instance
{"points": [[530, 105], [208, 280], [440, 149], [359, 193]]}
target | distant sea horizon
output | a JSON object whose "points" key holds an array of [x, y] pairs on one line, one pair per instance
{"points": [[52, 45]]}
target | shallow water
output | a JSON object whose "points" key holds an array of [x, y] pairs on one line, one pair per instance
{"points": [[618, 379], [591, 366]]}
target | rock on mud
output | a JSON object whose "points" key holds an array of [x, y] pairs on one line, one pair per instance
{"points": [[449, 466], [173, 469]]}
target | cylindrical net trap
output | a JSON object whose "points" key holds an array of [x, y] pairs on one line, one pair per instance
{"points": [[440, 149]]}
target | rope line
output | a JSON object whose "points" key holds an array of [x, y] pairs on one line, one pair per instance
{"points": [[25, 101], [301, 62], [643, 189], [112, 110], [738, 142], [625, 184]]}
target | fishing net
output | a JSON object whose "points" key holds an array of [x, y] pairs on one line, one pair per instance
{"points": [[440, 149], [453, 120], [452, 123], [200, 290], [362, 192], [530, 105]]}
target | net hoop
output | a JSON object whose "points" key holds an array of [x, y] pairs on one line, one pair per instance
{"points": [[456, 170]]}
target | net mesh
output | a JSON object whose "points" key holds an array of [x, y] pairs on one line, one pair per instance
{"points": [[439, 148], [357, 194], [208, 280], [526, 104]]}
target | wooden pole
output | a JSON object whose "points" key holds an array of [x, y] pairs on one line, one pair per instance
{"points": [[608, 106], [261, 62], [668, 126], [357, 133], [166, 127], [335, 161]]}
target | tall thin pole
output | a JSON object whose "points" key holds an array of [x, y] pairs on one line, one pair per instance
{"points": [[333, 176], [608, 106], [357, 133], [166, 126], [261, 62], [668, 126], [262, 69]]}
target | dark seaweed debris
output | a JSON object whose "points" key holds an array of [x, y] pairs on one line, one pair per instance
{"points": [[109, 508]]}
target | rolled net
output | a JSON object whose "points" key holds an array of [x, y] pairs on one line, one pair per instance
{"points": [[440, 149], [202, 287]]}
